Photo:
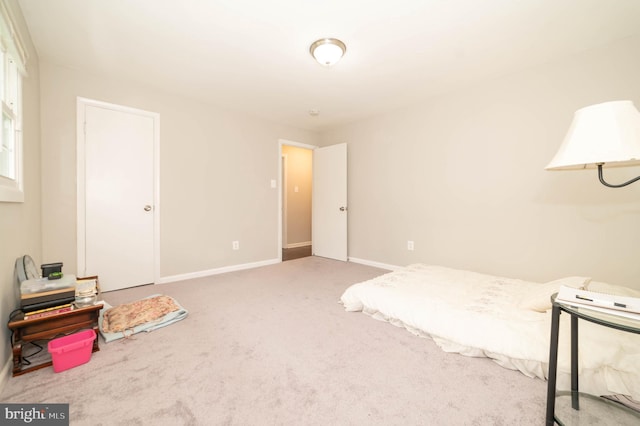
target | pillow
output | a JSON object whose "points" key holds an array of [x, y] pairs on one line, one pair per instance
{"points": [[617, 290], [127, 316], [538, 297]]}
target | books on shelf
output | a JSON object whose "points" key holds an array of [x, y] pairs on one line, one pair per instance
{"points": [[55, 310], [624, 306]]}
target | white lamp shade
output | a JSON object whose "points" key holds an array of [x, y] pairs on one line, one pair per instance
{"points": [[607, 134], [328, 51]]}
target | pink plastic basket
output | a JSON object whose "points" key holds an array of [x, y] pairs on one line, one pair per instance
{"points": [[72, 350]]}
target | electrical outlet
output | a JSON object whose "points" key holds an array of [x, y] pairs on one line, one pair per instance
{"points": [[235, 245], [409, 245]]}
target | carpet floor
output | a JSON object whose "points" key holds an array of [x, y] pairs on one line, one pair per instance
{"points": [[273, 346]]}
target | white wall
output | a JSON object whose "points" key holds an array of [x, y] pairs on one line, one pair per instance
{"points": [[463, 176], [215, 172], [20, 231]]}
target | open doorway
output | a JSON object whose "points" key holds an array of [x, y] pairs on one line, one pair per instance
{"points": [[297, 177]]}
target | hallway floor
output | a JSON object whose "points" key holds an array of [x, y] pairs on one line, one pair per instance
{"points": [[295, 253]]}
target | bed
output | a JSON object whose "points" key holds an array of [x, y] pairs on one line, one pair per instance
{"points": [[505, 319]]}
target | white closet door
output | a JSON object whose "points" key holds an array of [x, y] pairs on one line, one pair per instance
{"points": [[119, 196]]}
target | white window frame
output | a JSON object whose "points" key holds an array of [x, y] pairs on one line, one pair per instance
{"points": [[12, 63]]}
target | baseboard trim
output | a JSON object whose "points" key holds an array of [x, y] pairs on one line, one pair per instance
{"points": [[240, 267], [6, 373], [296, 245], [375, 264], [216, 271]]}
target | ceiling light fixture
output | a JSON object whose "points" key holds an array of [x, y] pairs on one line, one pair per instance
{"points": [[327, 51]]}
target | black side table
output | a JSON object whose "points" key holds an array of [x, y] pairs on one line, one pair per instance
{"points": [[594, 316]]}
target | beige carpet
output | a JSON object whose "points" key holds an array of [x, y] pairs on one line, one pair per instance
{"points": [[272, 346]]}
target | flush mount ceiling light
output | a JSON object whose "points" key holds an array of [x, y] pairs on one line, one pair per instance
{"points": [[327, 51]]}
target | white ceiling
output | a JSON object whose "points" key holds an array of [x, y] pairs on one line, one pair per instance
{"points": [[253, 55]]}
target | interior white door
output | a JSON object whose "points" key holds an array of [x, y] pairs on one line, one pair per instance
{"points": [[329, 225], [119, 196]]}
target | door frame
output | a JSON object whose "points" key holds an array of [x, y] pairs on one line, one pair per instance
{"points": [[282, 142], [81, 177]]}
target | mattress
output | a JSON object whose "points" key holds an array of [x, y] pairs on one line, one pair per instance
{"points": [[505, 319]]}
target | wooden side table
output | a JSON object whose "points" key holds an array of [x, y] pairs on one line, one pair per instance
{"points": [[47, 328]]}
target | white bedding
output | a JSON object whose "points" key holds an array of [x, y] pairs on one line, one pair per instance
{"points": [[487, 316]]}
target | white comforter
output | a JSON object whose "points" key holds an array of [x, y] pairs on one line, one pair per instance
{"points": [[482, 315]]}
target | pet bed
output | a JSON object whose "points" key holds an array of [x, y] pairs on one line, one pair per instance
{"points": [[507, 320], [147, 314]]}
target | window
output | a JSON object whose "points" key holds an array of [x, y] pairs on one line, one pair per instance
{"points": [[12, 60]]}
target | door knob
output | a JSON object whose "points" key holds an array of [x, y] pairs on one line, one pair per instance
{"points": [[343, 209], [147, 208]]}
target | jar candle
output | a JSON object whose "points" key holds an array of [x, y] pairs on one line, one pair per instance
{"points": [[86, 298]]}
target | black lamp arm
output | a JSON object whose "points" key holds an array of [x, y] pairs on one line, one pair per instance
{"points": [[602, 181]]}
